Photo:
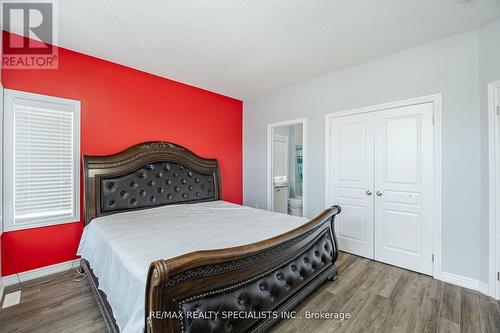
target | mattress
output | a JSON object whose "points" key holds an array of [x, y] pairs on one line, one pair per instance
{"points": [[121, 246]]}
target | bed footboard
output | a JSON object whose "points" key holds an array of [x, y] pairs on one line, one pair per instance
{"points": [[242, 289]]}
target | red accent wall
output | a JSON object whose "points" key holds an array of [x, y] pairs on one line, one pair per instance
{"points": [[120, 107]]}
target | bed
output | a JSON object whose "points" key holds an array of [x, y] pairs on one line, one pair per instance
{"points": [[164, 253]]}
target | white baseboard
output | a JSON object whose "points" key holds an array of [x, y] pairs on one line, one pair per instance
{"points": [[1, 288], [40, 272], [484, 288], [463, 281]]}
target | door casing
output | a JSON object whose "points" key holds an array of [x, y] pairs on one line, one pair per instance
{"points": [[494, 188]]}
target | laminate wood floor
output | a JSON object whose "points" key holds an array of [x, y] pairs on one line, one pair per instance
{"points": [[378, 297]]}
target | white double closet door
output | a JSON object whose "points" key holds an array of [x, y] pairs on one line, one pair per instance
{"points": [[382, 176]]}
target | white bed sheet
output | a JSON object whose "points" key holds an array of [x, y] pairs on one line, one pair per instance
{"points": [[120, 247]]}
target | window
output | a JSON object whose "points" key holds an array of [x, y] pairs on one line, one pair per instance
{"points": [[41, 160]]}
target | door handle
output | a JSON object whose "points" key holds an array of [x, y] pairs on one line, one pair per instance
{"points": [[379, 193], [368, 192]]}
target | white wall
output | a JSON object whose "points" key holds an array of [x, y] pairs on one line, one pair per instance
{"points": [[489, 71], [448, 66]]}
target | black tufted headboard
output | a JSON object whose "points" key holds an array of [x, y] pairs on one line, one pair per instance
{"points": [[147, 175]]}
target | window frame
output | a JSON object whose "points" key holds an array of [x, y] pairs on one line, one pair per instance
{"points": [[8, 161]]}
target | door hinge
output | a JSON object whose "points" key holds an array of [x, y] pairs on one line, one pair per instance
{"points": [[498, 110], [498, 276], [432, 257]]}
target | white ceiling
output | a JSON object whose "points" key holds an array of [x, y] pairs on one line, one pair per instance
{"points": [[243, 48]]}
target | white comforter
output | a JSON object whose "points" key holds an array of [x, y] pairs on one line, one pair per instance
{"points": [[120, 247]]}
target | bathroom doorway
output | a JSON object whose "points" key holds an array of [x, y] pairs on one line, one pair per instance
{"points": [[286, 167]]}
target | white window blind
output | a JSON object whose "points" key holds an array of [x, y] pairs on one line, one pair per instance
{"points": [[42, 138]]}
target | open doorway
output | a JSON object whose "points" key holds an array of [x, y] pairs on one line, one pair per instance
{"points": [[286, 167]]}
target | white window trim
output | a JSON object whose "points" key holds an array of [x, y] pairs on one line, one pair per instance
{"points": [[8, 192]]}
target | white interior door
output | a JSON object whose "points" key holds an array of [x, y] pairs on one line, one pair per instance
{"points": [[404, 187], [280, 159], [351, 186], [280, 174]]}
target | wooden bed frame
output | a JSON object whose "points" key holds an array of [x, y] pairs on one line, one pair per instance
{"points": [[252, 286]]}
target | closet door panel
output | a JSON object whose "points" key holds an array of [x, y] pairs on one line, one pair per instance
{"points": [[352, 181], [404, 187]]}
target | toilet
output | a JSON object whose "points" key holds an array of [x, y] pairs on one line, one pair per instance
{"points": [[295, 206]]}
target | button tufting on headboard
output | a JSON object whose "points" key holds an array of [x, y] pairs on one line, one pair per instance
{"points": [[155, 184], [146, 175]]}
